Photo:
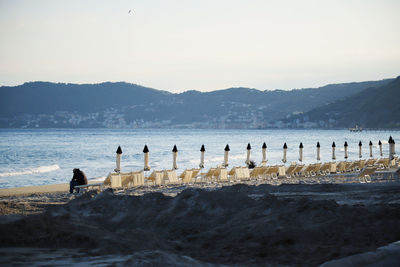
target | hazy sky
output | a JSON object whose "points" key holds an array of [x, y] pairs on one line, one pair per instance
{"points": [[177, 45]]}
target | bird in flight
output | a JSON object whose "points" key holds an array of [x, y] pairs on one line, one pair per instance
{"points": [[130, 11]]}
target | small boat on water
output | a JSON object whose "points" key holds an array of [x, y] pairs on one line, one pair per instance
{"points": [[356, 129]]}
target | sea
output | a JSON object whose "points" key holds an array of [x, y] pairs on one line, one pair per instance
{"points": [[47, 156]]}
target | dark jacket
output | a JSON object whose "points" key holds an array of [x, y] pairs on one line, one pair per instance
{"points": [[79, 177]]}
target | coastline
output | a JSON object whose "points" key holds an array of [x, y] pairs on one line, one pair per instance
{"points": [[37, 189]]}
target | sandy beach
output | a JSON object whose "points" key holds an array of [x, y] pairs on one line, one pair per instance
{"points": [[282, 222], [39, 189]]}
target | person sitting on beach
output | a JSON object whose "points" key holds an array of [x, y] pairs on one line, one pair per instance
{"points": [[79, 178]]}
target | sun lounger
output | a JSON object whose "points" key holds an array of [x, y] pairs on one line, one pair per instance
{"points": [[245, 173], [257, 172], [195, 172], [350, 166], [131, 179], [221, 175], [356, 166], [325, 168], [341, 167], [360, 164], [234, 173], [170, 177], [183, 173], [186, 176], [315, 170], [217, 174], [156, 177], [290, 170], [113, 180], [382, 163], [333, 167], [125, 179], [297, 171], [138, 178], [265, 172], [238, 173], [366, 173], [392, 163], [209, 176], [281, 171], [370, 162], [271, 172], [306, 170]]}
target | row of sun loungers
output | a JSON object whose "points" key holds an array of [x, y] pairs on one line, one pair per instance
{"points": [[130, 179], [365, 168], [188, 175]]}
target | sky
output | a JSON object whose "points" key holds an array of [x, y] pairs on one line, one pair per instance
{"points": [[180, 45]]}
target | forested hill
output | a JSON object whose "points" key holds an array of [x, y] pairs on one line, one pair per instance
{"points": [[376, 107], [47, 98], [124, 105]]}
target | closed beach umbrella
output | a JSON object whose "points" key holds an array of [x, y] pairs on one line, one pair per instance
{"points": [[360, 149], [380, 148], [202, 150], [118, 159], [394, 147], [333, 151], [284, 153], [301, 152], [391, 150], [345, 150], [248, 154], [146, 158], [370, 149], [226, 155], [390, 147], [174, 156], [318, 151], [264, 154]]}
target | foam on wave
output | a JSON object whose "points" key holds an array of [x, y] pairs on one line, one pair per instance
{"points": [[41, 169]]}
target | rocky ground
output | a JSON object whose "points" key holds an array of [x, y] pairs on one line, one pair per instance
{"points": [[289, 225]]}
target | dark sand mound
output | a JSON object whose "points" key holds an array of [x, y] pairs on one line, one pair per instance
{"points": [[240, 224]]}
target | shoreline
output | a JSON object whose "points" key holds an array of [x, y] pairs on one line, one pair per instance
{"points": [[37, 189]]}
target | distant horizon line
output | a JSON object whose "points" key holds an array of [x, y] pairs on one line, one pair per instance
{"points": [[188, 90]]}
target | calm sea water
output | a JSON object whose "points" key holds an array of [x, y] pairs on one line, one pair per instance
{"points": [[47, 156]]}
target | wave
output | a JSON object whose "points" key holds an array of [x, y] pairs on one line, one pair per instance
{"points": [[41, 169]]}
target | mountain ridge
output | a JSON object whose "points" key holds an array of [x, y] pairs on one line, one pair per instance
{"points": [[374, 107], [126, 105]]}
